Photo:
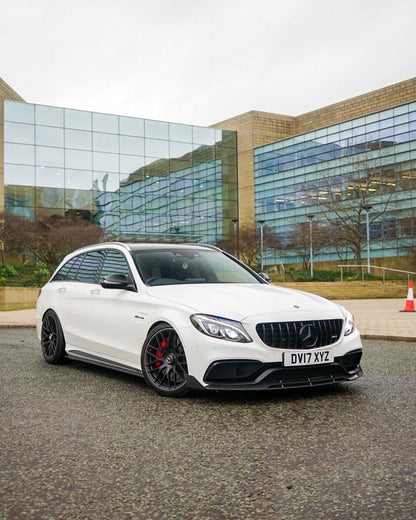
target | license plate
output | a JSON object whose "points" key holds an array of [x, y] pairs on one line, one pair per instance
{"points": [[296, 358]]}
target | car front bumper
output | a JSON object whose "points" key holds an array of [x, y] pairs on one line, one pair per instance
{"points": [[255, 375]]}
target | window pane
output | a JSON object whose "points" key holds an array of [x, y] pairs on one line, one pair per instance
{"points": [[89, 272], [115, 263], [229, 138], [25, 212], [204, 135], [78, 139], [78, 119], [105, 161], [46, 156], [78, 179], [70, 267], [156, 129], [19, 153], [131, 126], [50, 116], [182, 133], [51, 177], [131, 145], [19, 175], [50, 197], [105, 142], [103, 181], [156, 148], [105, 123], [23, 196], [78, 159], [78, 200], [49, 136], [19, 112], [179, 149], [130, 163], [19, 133]]}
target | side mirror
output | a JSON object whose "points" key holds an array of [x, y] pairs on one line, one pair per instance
{"points": [[266, 277], [117, 281]]}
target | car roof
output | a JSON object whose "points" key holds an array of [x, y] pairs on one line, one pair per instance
{"points": [[146, 246], [162, 246]]}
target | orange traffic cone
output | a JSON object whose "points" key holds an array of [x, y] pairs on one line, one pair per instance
{"points": [[410, 304]]}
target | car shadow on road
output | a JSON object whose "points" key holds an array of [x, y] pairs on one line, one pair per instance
{"points": [[213, 396]]}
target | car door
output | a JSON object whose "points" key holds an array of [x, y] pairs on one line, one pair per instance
{"points": [[75, 296], [116, 326]]}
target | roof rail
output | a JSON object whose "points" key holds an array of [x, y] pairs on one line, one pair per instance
{"points": [[210, 246]]}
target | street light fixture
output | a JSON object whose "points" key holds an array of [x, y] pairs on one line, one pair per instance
{"points": [[235, 222], [261, 222], [367, 208], [310, 217]]}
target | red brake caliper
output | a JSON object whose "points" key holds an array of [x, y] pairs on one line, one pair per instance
{"points": [[159, 353]]}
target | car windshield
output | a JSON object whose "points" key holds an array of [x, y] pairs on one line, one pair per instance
{"points": [[189, 266]]}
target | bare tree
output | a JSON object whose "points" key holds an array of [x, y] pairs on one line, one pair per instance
{"points": [[49, 239], [300, 240], [347, 204], [54, 237], [248, 243], [14, 233]]}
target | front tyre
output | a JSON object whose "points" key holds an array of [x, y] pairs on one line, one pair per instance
{"points": [[52, 339], [164, 363]]}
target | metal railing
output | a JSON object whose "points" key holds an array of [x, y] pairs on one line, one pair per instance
{"points": [[384, 269]]}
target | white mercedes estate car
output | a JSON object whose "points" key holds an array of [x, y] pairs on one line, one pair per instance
{"points": [[192, 317]]}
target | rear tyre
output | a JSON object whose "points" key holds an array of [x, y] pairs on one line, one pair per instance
{"points": [[164, 362], [52, 339]]}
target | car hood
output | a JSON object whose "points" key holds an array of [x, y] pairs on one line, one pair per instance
{"points": [[242, 301]]}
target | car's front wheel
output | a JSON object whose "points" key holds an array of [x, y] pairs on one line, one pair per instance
{"points": [[52, 338], [164, 363]]}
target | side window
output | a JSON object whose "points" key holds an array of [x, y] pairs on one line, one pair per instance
{"points": [[115, 263], [89, 272], [69, 270]]}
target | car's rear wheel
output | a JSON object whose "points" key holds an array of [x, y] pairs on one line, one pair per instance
{"points": [[164, 363], [52, 339]]}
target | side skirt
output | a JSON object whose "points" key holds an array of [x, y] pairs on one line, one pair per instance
{"points": [[102, 362]]}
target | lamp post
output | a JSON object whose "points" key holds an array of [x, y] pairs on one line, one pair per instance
{"points": [[261, 222], [310, 218], [367, 208], [235, 222]]}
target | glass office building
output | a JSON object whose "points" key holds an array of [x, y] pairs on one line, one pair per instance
{"points": [[136, 178], [312, 173]]}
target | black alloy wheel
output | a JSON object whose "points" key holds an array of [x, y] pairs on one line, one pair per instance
{"points": [[52, 339], [164, 363]]}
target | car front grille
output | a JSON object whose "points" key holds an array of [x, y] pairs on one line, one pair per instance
{"points": [[300, 334]]}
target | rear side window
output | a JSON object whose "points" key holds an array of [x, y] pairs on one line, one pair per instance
{"points": [[91, 267], [89, 271], [69, 271]]}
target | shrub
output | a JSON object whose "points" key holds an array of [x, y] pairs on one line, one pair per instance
{"points": [[24, 275], [8, 271]]}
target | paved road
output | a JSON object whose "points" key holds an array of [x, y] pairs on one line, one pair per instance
{"points": [[81, 442]]}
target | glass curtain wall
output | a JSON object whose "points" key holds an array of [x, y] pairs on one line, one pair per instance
{"points": [[136, 178], [321, 171]]}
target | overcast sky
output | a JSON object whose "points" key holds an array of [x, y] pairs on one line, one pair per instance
{"points": [[203, 61]]}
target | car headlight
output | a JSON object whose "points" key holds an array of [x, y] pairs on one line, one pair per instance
{"points": [[349, 323], [220, 328]]}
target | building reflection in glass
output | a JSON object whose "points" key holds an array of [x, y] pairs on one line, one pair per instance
{"points": [[136, 178]]}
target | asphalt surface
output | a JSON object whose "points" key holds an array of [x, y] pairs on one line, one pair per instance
{"points": [[80, 442]]}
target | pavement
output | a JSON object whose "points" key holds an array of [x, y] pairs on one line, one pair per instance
{"points": [[375, 319]]}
